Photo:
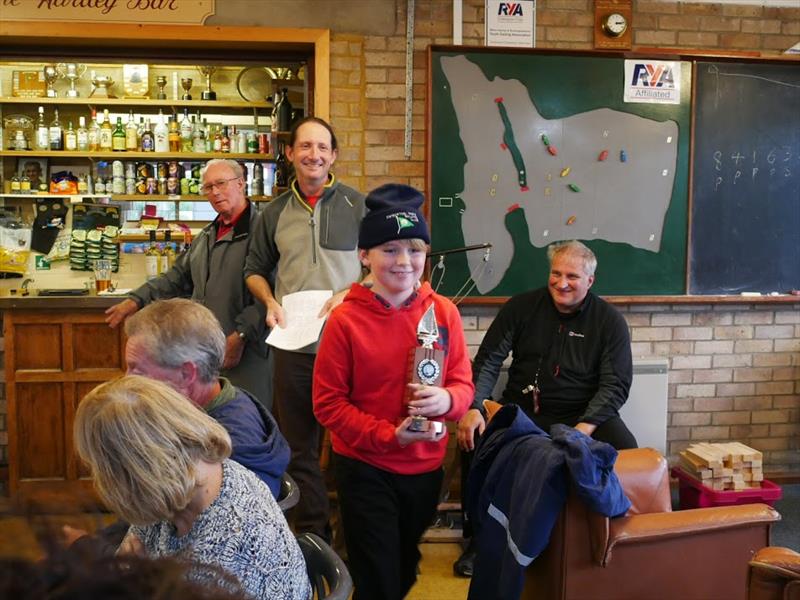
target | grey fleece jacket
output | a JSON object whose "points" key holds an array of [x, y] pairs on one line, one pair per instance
{"points": [[305, 248]]}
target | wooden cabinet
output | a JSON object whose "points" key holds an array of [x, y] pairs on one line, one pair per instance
{"points": [[50, 364]]}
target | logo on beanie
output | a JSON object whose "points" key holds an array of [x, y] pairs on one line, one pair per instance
{"points": [[404, 220]]}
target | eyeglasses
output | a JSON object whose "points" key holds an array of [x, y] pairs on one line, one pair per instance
{"points": [[220, 185]]}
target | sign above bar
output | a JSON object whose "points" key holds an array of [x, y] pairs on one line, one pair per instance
{"points": [[168, 12]]}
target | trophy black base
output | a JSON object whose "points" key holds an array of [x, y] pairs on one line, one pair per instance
{"points": [[209, 95], [184, 97]]}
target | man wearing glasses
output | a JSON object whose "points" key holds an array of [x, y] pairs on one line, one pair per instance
{"points": [[210, 273]]}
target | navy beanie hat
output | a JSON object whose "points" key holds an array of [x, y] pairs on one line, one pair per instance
{"points": [[394, 214]]}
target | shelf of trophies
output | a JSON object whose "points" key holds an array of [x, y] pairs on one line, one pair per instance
{"points": [[130, 154], [93, 102]]}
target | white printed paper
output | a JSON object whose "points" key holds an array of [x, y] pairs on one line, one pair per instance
{"points": [[652, 81], [302, 324]]}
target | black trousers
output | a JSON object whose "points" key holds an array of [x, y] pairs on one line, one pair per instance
{"points": [[294, 372], [384, 516], [614, 432]]}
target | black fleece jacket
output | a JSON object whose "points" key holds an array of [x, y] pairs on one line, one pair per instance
{"points": [[583, 359]]}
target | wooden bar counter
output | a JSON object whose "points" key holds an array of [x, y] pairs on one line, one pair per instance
{"points": [[57, 349]]}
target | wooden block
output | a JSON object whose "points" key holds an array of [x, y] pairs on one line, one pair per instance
{"points": [[689, 468], [710, 460]]}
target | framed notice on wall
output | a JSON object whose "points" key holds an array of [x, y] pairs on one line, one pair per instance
{"points": [[511, 24]]}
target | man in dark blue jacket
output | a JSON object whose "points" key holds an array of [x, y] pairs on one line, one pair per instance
{"points": [[571, 361], [181, 343]]}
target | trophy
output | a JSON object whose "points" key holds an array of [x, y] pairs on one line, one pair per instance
{"points": [[186, 84], [72, 72], [100, 84], [208, 71], [161, 82], [426, 365], [50, 76]]}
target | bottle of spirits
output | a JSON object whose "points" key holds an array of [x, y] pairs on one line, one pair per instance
{"points": [[284, 111], [198, 137], [161, 134], [24, 184], [83, 135], [174, 135], [187, 127], [152, 257], [187, 242], [42, 132], [209, 136], [241, 141], [233, 140], [167, 253], [16, 186], [225, 141], [281, 169], [273, 123], [217, 140], [147, 140], [106, 133], [118, 137], [94, 133], [70, 138], [131, 134], [56, 134]]}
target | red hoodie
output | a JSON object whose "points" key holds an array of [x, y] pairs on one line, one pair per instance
{"points": [[361, 372]]}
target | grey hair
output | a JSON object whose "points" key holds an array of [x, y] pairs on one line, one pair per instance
{"points": [[574, 248], [234, 166], [176, 331]]}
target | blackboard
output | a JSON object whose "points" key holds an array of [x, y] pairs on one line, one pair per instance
{"points": [[745, 227], [563, 89]]}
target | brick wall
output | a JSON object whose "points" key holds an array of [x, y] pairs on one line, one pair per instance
{"points": [[734, 370]]}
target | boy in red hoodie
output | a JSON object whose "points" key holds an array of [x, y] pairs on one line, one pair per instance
{"points": [[389, 476]]}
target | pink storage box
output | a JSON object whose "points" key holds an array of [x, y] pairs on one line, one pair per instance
{"points": [[694, 494]]}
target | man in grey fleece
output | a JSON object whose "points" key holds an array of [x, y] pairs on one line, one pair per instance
{"points": [[307, 238]]}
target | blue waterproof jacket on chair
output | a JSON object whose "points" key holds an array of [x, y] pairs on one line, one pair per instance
{"points": [[517, 487]]}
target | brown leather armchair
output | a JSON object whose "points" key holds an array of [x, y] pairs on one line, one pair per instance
{"points": [[774, 575], [651, 552]]}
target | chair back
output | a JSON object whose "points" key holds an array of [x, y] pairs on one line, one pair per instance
{"points": [[327, 572], [290, 493]]}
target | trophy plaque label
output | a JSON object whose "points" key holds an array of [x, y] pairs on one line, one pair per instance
{"points": [[135, 81], [27, 84]]}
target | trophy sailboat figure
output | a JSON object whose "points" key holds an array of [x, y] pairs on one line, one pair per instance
{"points": [[426, 363]]}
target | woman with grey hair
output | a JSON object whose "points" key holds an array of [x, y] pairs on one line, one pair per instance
{"points": [[162, 464]]}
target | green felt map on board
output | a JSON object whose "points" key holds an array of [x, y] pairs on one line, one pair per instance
{"points": [[528, 149]]}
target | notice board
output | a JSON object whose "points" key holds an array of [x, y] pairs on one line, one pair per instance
{"points": [[531, 147]]}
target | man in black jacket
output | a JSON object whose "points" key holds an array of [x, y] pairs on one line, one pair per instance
{"points": [[571, 359]]}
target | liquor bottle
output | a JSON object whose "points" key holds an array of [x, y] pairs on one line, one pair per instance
{"points": [[161, 134], [209, 137], [241, 139], [42, 132], [94, 133], [225, 141], [55, 133], [106, 133], [83, 135], [233, 140], [187, 127], [15, 184], [198, 137], [118, 137], [284, 111], [217, 140], [151, 257], [252, 143], [83, 186], [167, 253], [70, 138], [281, 169], [273, 123], [131, 134], [174, 135], [147, 139], [24, 184]]}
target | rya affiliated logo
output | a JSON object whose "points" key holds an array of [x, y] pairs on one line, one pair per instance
{"points": [[653, 76], [509, 9]]}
